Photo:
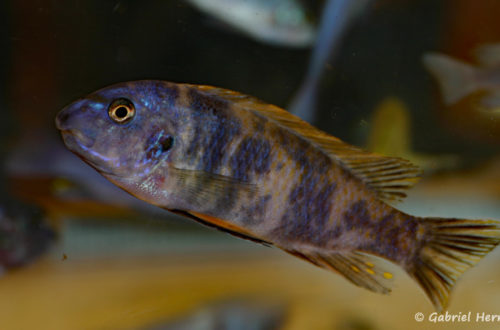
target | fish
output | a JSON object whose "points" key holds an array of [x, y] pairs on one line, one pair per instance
{"points": [[276, 22], [235, 313], [336, 19], [24, 233], [458, 80], [254, 170], [390, 134]]}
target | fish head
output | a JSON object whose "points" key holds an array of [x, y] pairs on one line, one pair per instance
{"points": [[123, 131]]}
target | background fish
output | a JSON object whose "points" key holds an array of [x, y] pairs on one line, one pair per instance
{"points": [[258, 172], [278, 22], [336, 19], [458, 79], [24, 234], [390, 134]]}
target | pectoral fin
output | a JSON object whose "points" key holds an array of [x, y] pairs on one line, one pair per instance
{"points": [[201, 189]]}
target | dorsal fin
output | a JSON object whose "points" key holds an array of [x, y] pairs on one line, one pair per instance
{"points": [[388, 176]]}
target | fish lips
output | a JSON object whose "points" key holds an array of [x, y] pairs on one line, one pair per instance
{"points": [[78, 141], [75, 140], [81, 145]]}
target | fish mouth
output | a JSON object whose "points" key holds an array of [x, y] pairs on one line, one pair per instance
{"points": [[72, 137], [80, 145]]}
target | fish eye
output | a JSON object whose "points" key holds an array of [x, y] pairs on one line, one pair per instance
{"points": [[121, 111]]}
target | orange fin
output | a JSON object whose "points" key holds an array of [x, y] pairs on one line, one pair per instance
{"points": [[388, 176], [221, 225], [359, 268]]}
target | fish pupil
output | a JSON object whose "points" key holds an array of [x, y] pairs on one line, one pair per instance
{"points": [[121, 112], [167, 143]]}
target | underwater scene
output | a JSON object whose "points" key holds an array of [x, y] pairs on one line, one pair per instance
{"points": [[250, 164]]}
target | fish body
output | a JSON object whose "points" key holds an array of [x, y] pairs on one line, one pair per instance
{"points": [[278, 22], [258, 172], [458, 79], [24, 234]]}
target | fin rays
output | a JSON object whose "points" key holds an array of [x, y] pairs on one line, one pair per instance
{"points": [[355, 266], [453, 247]]}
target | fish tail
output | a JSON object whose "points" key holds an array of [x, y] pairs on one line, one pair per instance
{"points": [[448, 248], [456, 78]]}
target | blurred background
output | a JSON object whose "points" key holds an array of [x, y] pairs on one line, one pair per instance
{"points": [[78, 253]]}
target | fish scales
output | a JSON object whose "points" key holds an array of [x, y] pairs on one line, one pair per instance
{"points": [[258, 172], [308, 215]]}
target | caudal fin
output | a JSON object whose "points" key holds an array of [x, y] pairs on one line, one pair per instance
{"points": [[456, 79], [451, 246]]}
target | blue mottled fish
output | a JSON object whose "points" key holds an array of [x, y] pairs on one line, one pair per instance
{"points": [[258, 172]]}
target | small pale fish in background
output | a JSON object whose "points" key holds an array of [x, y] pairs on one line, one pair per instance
{"points": [[277, 22], [258, 172], [458, 80], [390, 134]]}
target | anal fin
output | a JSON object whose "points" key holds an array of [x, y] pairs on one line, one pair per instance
{"points": [[357, 267]]}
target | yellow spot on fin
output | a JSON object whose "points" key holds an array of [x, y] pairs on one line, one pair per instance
{"points": [[349, 265], [387, 275], [388, 176]]}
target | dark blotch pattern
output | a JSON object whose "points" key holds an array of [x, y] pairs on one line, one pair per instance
{"points": [[214, 129], [310, 203], [251, 157], [390, 239], [357, 216]]}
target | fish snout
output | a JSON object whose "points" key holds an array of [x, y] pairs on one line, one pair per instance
{"points": [[67, 117], [62, 120], [74, 124]]}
